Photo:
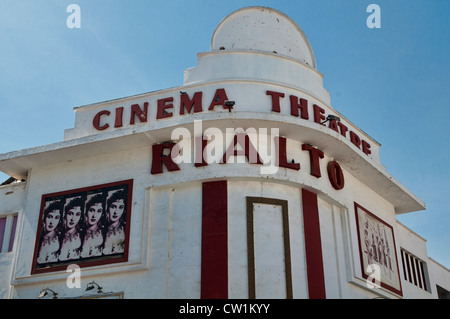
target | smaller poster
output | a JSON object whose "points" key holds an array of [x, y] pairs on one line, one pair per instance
{"points": [[86, 227], [377, 251]]}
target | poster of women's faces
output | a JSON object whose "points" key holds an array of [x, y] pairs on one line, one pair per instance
{"points": [[87, 227], [377, 249]]}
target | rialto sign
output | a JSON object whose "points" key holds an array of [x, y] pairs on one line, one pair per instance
{"points": [[240, 144], [165, 108]]}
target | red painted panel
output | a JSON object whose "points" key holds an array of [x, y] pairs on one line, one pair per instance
{"points": [[13, 233], [2, 231], [313, 246], [214, 268]]}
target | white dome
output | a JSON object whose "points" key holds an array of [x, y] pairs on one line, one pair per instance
{"points": [[263, 29]]}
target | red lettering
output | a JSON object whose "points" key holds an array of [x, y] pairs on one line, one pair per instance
{"points": [[343, 129], [219, 99], [318, 111], [159, 158], [248, 149], [366, 148], [335, 175], [303, 106], [280, 143], [333, 125], [314, 156], [164, 104], [354, 138], [275, 100], [119, 116], [141, 114], [186, 102], [96, 120]]}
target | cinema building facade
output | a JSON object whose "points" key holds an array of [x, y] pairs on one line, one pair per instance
{"points": [[243, 182]]}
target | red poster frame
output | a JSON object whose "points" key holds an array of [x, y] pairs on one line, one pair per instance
{"points": [[363, 271]]}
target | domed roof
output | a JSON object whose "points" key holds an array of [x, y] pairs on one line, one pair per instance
{"points": [[263, 29]]}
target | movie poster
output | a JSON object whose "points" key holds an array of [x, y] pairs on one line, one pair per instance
{"points": [[87, 227]]}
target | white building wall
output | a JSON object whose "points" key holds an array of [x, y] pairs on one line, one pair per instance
{"points": [[165, 242], [12, 203], [176, 239], [436, 274], [165, 246], [238, 190], [439, 275]]}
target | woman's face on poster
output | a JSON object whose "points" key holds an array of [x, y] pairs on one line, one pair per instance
{"points": [[52, 220], [94, 214], [73, 217], [116, 210]]}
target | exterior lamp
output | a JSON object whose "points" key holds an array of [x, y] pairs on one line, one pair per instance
{"points": [[331, 118], [44, 292], [229, 105], [92, 285]]}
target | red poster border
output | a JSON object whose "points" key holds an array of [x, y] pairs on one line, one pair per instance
{"points": [[363, 272]]}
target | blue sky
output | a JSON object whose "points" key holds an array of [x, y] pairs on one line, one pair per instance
{"points": [[392, 82]]}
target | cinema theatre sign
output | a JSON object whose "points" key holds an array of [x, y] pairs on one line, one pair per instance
{"points": [[241, 143], [299, 108]]}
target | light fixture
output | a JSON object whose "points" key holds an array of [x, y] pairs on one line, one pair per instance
{"points": [[229, 105], [92, 285], [331, 118], [44, 292]]}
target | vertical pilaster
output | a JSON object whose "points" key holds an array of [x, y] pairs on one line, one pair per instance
{"points": [[214, 266]]}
